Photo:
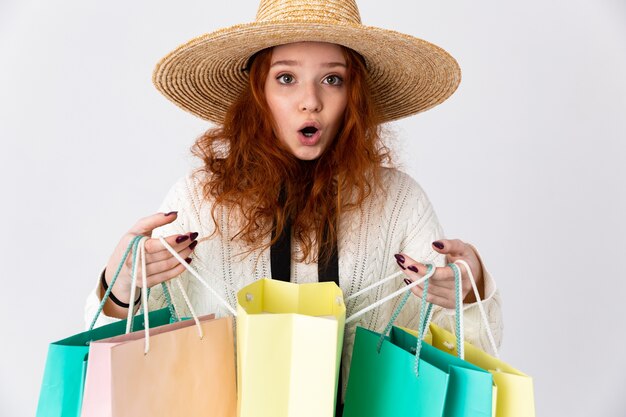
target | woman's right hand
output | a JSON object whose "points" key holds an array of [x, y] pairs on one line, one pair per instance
{"points": [[160, 263]]}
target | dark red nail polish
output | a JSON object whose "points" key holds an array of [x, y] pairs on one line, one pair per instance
{"points": [[194, 235], [400, 264], [412, 268], [407, 281], [181, 238], [399, 258], [170, 213], [193, 244], [438, 245], [188, 260]]}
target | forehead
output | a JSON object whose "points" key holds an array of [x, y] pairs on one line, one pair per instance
{"points": [[317, 51]]}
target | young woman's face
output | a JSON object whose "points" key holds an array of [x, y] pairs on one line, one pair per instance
{"points": [[307, 96]]}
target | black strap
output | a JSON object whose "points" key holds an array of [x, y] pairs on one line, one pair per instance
{"points": [[280, 252], [329, 271], [280, 258]]}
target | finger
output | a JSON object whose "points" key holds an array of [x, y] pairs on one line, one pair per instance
{"points": [[438, 290], [416, 270], [441, 284], [443, 274], [163, 276], [158, 267], [445, 279], [410, 267], [155, 248], [441, 299], [451, 247], [146, 225], [444, 302]]}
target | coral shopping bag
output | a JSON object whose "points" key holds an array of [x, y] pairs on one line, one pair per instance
{"points": [[399, 374], [181, 369], [64, 375], [515, 394], [289, 340]]}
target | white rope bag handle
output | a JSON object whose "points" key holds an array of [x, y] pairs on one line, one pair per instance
{"points": [[390, 296], [374, 285], [481, 308], [141, 255], [197, 276]]}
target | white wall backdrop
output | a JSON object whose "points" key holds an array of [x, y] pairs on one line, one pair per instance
{"points": [[527, 161]]}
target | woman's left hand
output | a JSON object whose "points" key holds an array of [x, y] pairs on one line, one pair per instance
{"points": [[441, 284]]}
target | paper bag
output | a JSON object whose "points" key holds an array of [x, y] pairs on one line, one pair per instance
{"points": [[289, 340]]}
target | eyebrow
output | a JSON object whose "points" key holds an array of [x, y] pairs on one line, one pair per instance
{"points": [[294, 63]]}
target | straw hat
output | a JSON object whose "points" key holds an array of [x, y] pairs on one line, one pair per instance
{"points": [[407, 75]]}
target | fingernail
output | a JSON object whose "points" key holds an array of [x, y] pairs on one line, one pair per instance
{"points": [[438, 245], [181, 238], [399, 258], [400, 264], [194, 235], [188, 260], [170, 213], [412, 268], [407, 281], [193, 244]]}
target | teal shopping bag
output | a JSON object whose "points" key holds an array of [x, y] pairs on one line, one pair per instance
{"points": [[66, 364], [64, 375], [398, 374], [384, 383]]}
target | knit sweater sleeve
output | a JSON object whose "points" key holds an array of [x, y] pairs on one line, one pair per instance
{"points": [[175, 200], [423, 228]]}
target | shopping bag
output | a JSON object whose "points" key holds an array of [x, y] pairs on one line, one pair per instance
{"points": [[66, 363], [289, 340], [185, 368], [397, 373], [515, 397], [64, 375], [384, 383], [514, 389], [182, 374]]}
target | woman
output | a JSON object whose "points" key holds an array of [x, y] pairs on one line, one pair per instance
{"points": [[296, 164]]}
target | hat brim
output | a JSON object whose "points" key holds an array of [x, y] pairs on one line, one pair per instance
{"points": [[407, 75]]}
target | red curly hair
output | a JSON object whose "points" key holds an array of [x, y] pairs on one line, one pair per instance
{"points": [[248, 166]]}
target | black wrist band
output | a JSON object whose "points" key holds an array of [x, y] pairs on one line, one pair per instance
{"points": [[114, 298]]}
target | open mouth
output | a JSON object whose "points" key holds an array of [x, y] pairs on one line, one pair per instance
{"points": [[309, 131]]}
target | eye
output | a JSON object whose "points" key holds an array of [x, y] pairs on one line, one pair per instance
{"points": [[333, 80], [285, 79]]}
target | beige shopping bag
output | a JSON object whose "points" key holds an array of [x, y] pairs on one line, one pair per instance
{"points": [[180, 369], [181, 375]]}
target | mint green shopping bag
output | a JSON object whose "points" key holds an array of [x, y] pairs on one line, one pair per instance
{"points": [[398, 374], [64, 375], [384, 384], [66, 364]]}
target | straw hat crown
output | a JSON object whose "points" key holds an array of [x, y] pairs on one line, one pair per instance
{"points": [[406, 75], [337, 11]]}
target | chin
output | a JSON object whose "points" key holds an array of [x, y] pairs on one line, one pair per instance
{"points": [[307, 156]]}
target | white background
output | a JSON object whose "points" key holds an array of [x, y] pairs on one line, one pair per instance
{"points": [[527, 161]]}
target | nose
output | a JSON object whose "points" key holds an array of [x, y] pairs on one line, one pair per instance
{"points": [[310, 100]]}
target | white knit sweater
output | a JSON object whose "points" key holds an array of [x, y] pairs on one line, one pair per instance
{"points": [[399, 220]]}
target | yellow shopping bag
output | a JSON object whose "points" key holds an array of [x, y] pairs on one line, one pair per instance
{"points": [[289, 340], [513, 390]]}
